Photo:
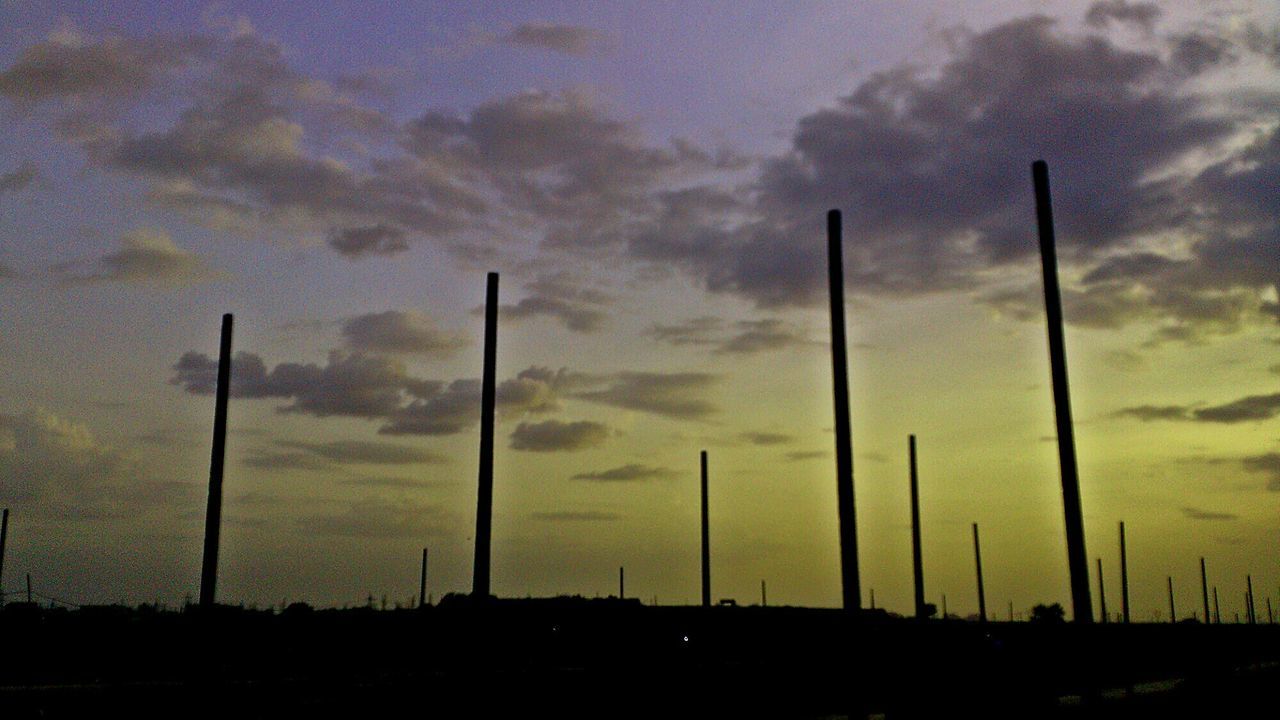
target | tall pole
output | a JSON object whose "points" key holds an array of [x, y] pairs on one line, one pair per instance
{"points": [[622, 584], [422, 584], [1217, 613], [1102, 594], [851, 589], [706, 539], [4, 535], [944, 606], [484, 498], [213, 510], [982, 594], [1204, 590], [1173, 617], [1124, 576], [1253, 616], [917, 563], [1076, 558]]}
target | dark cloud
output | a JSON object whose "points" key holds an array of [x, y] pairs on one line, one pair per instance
{"points": [[579, 309], [147, 256], [377, 518], [1196, 514], [807, 455], [554, 435], [743, 337], [567, 39], [400, 332], [1246, 409], [1141, 14], [675, 395], [365, 452], [1267, 464], [630, 472], [377, 239], [767, 438], [18, 179], [1147, 413], [572, 516]]}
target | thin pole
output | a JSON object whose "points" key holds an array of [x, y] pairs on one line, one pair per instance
{"points": [[484, 498], [622, 583], [1102, 594], [1010, 611], [1173, 617], [917, 563], [1253, 616], [706, 539], [1076, 557], [213, 510], [764, 597], [1204, 590], [1124, 576], [4, 535], [1217, 613], [982, 594], [422, 584], [851, 589], [944, 606], [1270, 618], [873, 598]]}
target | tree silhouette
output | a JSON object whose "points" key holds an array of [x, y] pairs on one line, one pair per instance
{"points": [[1048, 614]]}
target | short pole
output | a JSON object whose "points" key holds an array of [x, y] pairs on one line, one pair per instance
{"points": [[982, 593], [1124, 576], [1102, 594], [422, 583]]}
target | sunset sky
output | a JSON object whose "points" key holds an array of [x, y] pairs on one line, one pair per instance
{"points": [[651, 181]]}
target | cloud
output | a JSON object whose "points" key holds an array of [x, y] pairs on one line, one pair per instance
{"points": [[1267, 464], [1196, 514], [568, 39], [630, 472], [357, 242], [554, 435], [56, 467], [798, 455], [146, 256], [571, 516], [1247, 409], [18, 179], [378, 518], [674, 395], [578, 309], [766, 438], [400, 332], [747, 337], [1140, 14]]}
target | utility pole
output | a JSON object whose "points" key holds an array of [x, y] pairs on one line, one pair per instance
{"points": [[488, 395], [851, 588], [213, 509]]}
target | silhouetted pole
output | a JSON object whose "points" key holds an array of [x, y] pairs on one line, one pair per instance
{"points": [[213, 511], [1076, 558], [1253, 616], [1124, 576], [873, 598], [1270, 618], [422, 584], [917, 563], [706, 539], [851, 588], [764, 597], [484, 499], [982, 594], [1217, 613], [1173, 618], [622, 584], [1010, 611], [1102, 594], [944, 606], [4, 535], [29, 600], [1204, 590]]}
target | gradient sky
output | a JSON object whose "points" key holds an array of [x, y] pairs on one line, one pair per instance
{"points": [[651, 180]]}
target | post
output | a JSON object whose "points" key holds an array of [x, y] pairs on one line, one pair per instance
{"points": [[1076, 557], [1253, 616], [4, 535], [917, 563], [706, 539], [213, 510], [944, 606], [1124, 576], [1204, 590], [422, 584], [982, 595], [851, 589], [1102, 594], [622, 584], [1173, 617], [484, 498], [1217, 613]]}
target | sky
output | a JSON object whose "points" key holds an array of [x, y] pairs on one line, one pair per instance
{"points": [[651, 182]]}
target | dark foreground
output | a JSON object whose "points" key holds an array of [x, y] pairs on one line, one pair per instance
{"points": [[612, 659]]}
